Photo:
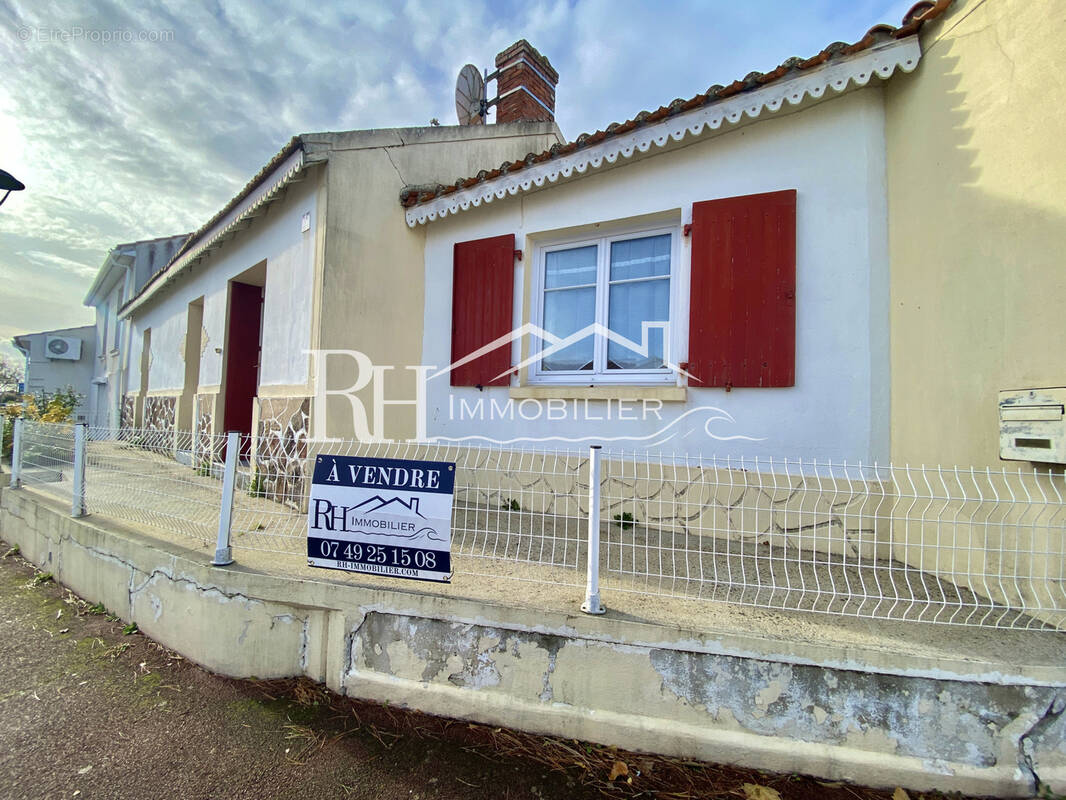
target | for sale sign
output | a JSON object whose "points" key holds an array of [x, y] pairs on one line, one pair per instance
{"points": [[381, 516]]}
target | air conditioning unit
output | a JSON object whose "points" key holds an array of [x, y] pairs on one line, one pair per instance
{"points": [[62, 347]]}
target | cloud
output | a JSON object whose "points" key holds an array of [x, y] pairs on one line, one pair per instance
{"points": [[68, 265], [125, 140]]}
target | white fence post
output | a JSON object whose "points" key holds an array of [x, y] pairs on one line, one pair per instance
{"points": [[195, 431], [592, 581], [16, 455], [77, 496], [223, 550]]}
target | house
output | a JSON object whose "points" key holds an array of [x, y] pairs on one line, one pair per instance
{"points": [[59, 360], [921, 169], [712, 277], [312, 255], [744, 274], [833, 338], [124, 272], [849, 258]]}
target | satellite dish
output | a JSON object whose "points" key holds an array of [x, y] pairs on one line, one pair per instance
{"points": [[469, 96], [8, 184]]}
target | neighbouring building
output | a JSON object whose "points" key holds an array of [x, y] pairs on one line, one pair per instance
{"points": [[59, 360], [124, 272], [977, 229], [313, 254]]}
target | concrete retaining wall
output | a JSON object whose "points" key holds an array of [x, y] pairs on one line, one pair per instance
{"points": [[811, 708]]}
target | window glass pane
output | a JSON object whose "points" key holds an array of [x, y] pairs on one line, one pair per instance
{"points": [[630, 305], [567, 312], [575, 267], [640, 258]]}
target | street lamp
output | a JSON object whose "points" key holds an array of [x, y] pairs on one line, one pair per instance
{"points": [[8, 184]]}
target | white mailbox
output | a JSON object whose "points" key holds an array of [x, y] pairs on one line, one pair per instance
{"points": [[1032, 425]]}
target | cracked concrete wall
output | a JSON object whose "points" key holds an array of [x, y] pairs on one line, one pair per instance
{"points": [[861, 726], [228, 631], [832, 711]]}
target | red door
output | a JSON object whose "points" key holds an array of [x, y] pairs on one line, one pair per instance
{"points": [[242, 355]]}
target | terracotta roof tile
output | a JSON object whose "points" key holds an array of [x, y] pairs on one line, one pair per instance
{"points": [[913, 20]]}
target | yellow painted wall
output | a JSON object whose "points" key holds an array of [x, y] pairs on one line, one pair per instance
{"points": [[977, 225], [373, 269]]}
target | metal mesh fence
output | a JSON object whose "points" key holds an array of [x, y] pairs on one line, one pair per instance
{"points": [[969, 547], [47, 451], [953, 546], [512, 510], [148, 477]]}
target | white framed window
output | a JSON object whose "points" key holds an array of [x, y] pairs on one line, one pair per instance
{"points": [[617, 298]]}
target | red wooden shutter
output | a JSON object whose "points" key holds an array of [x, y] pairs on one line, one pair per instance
{"points": [[742, 318], [482, 303]]}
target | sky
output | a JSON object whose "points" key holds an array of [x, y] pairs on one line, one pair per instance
{"points": [[134, 120]]}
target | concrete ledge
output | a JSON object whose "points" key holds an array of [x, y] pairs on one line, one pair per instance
{"points": [[834, 712], [542, 391]]}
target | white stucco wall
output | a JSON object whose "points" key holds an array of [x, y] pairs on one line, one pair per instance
{"points": [[833, 154], [289, 252], [101, 400]]}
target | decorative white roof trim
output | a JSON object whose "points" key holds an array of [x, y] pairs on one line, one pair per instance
{"points": [[836, 75], [225, 227]]}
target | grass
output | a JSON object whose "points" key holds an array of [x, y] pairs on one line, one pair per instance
{"points": [[255, 489]]}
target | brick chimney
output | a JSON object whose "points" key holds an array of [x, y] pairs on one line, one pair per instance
{"points": [[523, 71]]}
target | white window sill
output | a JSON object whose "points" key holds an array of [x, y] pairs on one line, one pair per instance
{"points": [[668, 394]]}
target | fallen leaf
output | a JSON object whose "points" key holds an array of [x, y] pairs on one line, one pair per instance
{"points": [[753, 791], [84, 770], [900, 794], [618, 770]]}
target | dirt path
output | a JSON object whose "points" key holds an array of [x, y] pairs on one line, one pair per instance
{"points": [[90, 710]]}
